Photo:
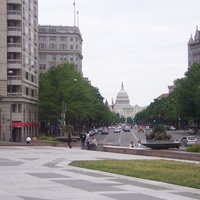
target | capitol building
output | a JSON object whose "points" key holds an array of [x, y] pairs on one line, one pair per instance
{"points": [[122, 105]]}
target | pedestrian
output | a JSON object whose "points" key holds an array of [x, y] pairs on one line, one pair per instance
{"points": [[139, 144], [93, 143], [28, 139], [69, 140], [82, 138], [131, 145], [88, 140]]}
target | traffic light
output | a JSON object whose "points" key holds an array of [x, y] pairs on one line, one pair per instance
{"points": [[154, 121], [60, 119]]}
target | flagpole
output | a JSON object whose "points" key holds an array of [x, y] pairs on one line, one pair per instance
{"points": [[77, 19], [74, 13]]}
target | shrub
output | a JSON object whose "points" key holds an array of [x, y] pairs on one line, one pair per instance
{"points": [[47, 138], [158, 133], [194, 148]]}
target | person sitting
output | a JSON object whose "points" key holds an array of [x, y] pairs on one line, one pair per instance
{"points": [[139, 144], [131, 145], [28, 139], [93, 143]]}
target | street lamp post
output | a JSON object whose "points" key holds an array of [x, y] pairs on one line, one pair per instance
{"points": [[10, 73], [0, 123]]}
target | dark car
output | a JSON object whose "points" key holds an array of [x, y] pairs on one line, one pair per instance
{"points": [[104, 131], [192, 131]]}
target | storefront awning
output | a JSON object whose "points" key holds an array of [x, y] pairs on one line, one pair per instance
{"points": [[18, 125]]}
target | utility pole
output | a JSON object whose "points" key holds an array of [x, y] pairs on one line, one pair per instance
{"points": [[64, 109]]}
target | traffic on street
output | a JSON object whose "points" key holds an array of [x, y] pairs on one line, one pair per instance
{"points": [[118, 136]]}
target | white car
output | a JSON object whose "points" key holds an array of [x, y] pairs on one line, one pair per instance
{"points": [[117, 130], [172, 128], [188, 141]]}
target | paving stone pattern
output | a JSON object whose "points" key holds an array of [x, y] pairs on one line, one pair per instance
{"points": [[32, 173]]}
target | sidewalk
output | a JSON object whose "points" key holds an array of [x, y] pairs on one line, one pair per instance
{"points": [[42, 173]]}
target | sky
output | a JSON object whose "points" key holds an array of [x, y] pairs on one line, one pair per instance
{"points": [[142, 43]]}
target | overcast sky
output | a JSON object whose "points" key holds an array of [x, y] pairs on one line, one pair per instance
{"points": [[142, 43]]}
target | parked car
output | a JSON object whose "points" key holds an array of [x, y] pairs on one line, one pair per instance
{"points": [[174, 139], [192, 131], [117, 130], [104, 131], [172, 128], [127, 129], [93, 132], [167, 127], [188, 141], [100, 129], [140, 129]]}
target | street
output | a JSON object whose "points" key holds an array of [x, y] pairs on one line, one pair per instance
{"points": [[124, 138]]}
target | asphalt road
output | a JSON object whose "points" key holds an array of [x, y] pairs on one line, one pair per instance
{"points": [[124, 138]]}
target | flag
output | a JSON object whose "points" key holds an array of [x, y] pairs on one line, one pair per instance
{"points": [[74, 3]]}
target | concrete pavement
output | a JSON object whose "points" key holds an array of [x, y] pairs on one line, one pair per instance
{"points": [[42, 173]]}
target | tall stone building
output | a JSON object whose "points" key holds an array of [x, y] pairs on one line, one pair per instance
{"points": [[194, 48], [122, 105], [193, 54], [59, 44], [18, 69]]}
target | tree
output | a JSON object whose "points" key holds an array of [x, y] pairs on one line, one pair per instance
{"points": [[84, 103]]}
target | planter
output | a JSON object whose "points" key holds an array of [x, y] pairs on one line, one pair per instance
{"points": [[161, 144]]}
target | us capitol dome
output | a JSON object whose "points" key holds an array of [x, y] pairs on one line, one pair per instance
{"points": [[122, 105]]}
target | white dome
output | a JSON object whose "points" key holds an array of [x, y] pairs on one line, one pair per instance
{"points": [[122, 96]]}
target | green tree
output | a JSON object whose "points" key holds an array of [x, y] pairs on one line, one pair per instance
{"points": [[84, 103]]}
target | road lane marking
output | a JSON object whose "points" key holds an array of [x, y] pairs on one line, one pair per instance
{"points": [[135, 136]]}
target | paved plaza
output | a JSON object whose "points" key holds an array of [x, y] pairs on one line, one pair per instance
{"points": [[42, 173]]}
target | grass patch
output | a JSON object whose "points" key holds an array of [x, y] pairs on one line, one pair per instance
{"points": [[178, 173]]}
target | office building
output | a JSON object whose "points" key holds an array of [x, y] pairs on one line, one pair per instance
{"points": [[18, 69], [58, 44]]}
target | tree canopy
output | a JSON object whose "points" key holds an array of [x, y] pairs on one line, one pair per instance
{"points": [[84, 103], [183, 103]]}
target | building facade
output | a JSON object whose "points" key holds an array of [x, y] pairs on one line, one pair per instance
{"points": [[58, 44], [193, 54], [19, 69], [194, 48], [122, 105]]}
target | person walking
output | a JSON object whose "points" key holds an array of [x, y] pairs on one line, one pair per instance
{"points": [[82, 139], [69, 140], [88, 140]]}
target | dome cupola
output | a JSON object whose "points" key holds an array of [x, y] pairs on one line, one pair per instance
{"points": [[122, 96]]}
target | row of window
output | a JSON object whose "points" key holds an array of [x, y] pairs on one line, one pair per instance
{"points": [[30, 77], [60, 30], [53, 46], [59, 38], [30, 48], [31, 6], [52, 57], [16, 108], [27, 91], [29, 62]]}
